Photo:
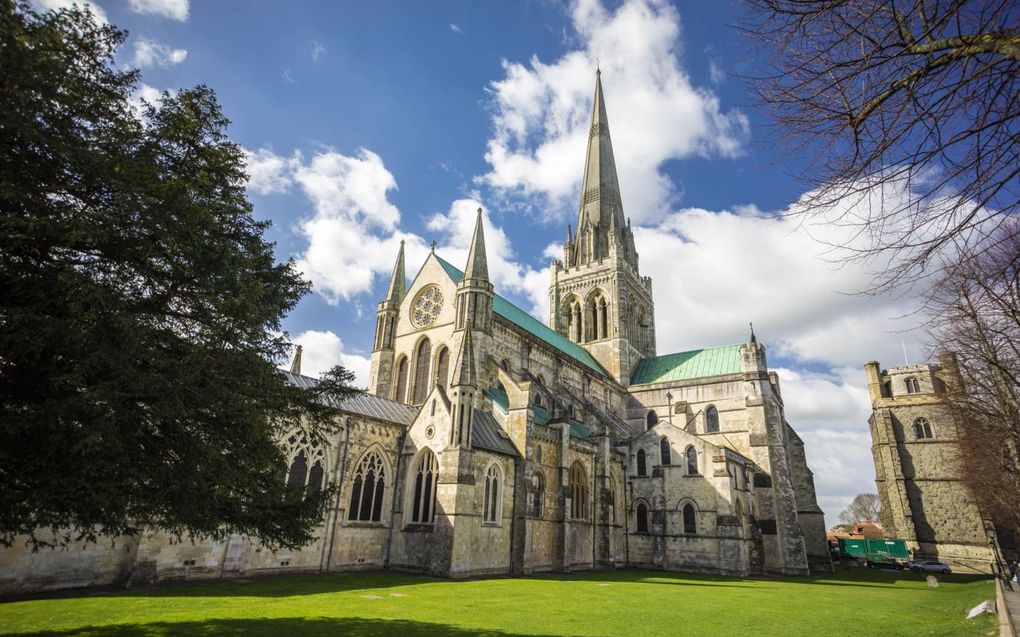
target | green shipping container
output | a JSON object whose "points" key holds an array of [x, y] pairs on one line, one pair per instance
{"points": [[890, 548], [853, 548], [874, 550]]}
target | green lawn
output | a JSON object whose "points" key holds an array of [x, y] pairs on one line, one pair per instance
{"points": [[855, 602]]}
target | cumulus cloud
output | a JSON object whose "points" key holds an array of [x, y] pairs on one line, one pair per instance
{"points": [[456, 28], [172, 9], [842, 466], [56, 5], [269, 173], [321, 350], [152, 53], [739, 266], [542, 111]]}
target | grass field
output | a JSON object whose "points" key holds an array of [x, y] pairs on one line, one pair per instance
{"points": [[856, 602]]}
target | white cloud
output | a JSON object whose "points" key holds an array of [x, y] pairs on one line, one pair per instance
{"points": [[288, 76], [715, 73], [456, 28], [269, 173], [542, 111], [321, 350], [55, 5], [145, 94], [351, 189], [827, 401], [317, 51], [151, 53], [172, 9], [351, 235], [739, 267]]}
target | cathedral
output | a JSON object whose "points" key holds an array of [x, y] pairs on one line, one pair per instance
{"points": [[490, 443]]}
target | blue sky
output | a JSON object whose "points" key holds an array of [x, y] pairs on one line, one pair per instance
{"points": [[368, 123]]}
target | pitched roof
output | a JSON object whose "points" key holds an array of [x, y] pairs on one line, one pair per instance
{"points": [[533, 326], [487, 434], [698, 363], [541, 415], [363, 404]]}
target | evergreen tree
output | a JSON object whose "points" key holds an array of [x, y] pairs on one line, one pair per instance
{"points": [[140, 307]]}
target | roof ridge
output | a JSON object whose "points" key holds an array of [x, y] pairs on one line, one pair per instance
{"points": [[579, 354]]}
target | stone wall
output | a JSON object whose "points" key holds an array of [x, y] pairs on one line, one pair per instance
{"points": [[923, 499]]}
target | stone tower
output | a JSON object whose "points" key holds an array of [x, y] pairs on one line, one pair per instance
{"points": [[597, 296], [381, 371], [917, 469]]}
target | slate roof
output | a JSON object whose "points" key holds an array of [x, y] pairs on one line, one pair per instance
{"points": [[487, 434], [363, 404], [698, 363], [533, 326]]}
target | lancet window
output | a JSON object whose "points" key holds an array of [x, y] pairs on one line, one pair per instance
{"points": [[368, 489]]}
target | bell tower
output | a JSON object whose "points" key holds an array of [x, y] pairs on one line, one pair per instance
{"points": [[597, 296]]}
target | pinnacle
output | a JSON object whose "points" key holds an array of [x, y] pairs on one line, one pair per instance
{"points": [[477, 266], [398, 281]]}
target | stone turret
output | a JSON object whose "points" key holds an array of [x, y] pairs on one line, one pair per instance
{"points": [[386, 314], [474, 292]]}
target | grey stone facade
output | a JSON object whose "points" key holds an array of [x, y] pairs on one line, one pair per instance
{"points": [[505, 446], [917, 467]]}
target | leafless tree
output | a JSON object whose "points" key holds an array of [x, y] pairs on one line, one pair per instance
{"points": [[976, 314], [863, 508], [911, 111]]}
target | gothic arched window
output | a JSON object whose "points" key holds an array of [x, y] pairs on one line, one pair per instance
{"points": [[603, 315], [651, 419], [692, 461], [423, 358], [664, 455], [711, 420], [642, 518], [642, 469], [443, 367], [368, 488], [612, 498], [578, 492], [690, 519], [315, 477], [922, 429], [537, 494], [423, 495], [401, 391], [491, 505], [298, 473]]}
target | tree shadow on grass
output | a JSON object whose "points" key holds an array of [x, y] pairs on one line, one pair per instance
{"points": [[260, 586], [313, 627]]}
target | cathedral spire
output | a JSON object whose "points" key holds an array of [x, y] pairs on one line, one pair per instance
{"points": [[398, 282], [477, 266], [601, 207], [295, 367]]}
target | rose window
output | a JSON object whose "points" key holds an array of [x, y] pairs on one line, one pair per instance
{"points": [[426, 306]]}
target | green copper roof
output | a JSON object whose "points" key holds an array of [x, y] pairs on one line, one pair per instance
{"points": [[533, 326], [698, 363]]}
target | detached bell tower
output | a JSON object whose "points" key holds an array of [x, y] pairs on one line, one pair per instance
{"points": [[597, 296]]}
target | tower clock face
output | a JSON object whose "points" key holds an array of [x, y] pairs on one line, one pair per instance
{"points": [[426, 306]]}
